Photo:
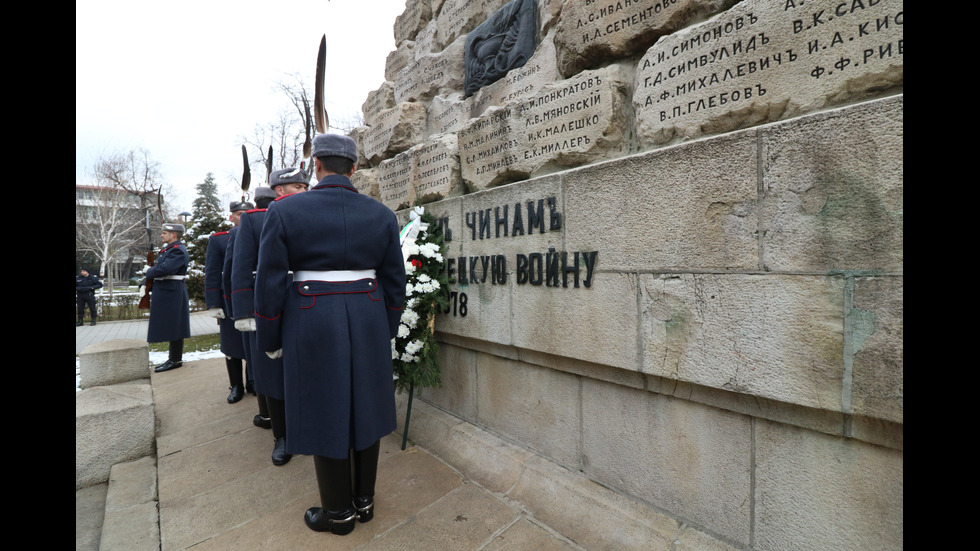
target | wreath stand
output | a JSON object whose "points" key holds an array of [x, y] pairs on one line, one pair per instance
{"points": [[411, 386], [408, 414]]}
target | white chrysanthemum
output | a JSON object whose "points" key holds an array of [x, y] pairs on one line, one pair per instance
{"points": [[410, 318], [413, 347], [402, 331], [394, 350], [408, 358], [410, 249], [428, 250], [409, 268], [424, 277], [409, 289]]}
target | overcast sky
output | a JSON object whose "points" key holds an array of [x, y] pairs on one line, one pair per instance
{"points": [[186, 80]]}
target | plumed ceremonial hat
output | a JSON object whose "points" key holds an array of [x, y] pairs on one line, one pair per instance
{"points": [[240, 205], [174, 227], [265, 193], [334, 145], [290, 175]]}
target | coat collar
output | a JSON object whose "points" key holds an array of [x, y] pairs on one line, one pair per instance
{"points": [[170, 246], [335, 180]]}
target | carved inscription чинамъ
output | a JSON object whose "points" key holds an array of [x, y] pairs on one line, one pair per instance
{"points": [[551, 268]]}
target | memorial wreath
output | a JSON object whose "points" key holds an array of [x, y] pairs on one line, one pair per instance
{"points": [[414, 350]]}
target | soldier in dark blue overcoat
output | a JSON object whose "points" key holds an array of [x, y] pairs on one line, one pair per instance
{"points": [[170, 313], [217, 298], [333, 328], [85, 286], [267, 371]]}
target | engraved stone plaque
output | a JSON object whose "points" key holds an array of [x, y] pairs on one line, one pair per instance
{"points": [[591, 32], [567, 123], [396, 130], [436, 175], [763, 61], [401, 56], [425, 40], [395, 181], [503, 42], [447, 113]]}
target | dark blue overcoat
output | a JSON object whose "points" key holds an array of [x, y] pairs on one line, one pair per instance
{"points": [[215, 295], [335, 336], [170, 312], [266, 372]]}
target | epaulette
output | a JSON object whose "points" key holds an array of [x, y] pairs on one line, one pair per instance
{"points": [[255, 210], [216, 234], [284, 196]]}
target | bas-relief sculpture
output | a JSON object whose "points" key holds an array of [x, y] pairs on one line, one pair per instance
{"points": [[503, 42]]}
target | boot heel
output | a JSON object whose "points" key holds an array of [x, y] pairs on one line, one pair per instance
{"points": [[365, 508], [340, 523]]}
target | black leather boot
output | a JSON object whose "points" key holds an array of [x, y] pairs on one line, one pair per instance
{"points": [[175, 359], [237, 387], [277, 415], [365, 476], [262, 420], [336, 514], [279, 455]]}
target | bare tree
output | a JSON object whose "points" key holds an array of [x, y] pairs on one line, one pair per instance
{"points": [[110, 223], [287, 141], [124, 205]]}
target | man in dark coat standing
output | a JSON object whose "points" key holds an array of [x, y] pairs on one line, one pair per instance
{"points": [[266, 371], [85, 286], [170, 312], [333, 327], [217, 299]]}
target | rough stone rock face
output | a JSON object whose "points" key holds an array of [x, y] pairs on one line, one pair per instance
{"points": [[365, 180], [396, 130], [401, 56], [415, 17], [458, 17], [422, 78], [377, 101]]}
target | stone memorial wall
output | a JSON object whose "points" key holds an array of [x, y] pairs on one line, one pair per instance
{"points": [[675, 249]]}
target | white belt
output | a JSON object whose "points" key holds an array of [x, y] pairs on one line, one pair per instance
{"points": [[334, 275], [171, 277]]}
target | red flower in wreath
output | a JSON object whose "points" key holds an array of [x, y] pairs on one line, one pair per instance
{"points": [[417, 263]]}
